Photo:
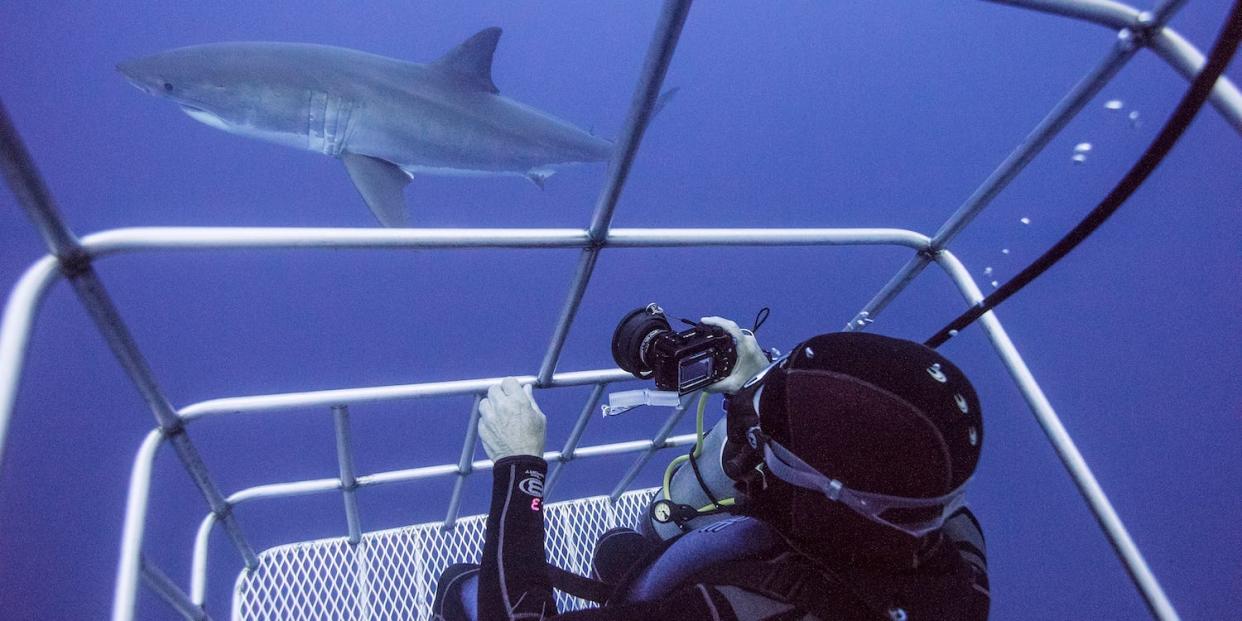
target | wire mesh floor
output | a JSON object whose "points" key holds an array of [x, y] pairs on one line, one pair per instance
{"points": [[391, 574]]}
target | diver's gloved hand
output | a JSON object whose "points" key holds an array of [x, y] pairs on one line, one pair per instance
{"points": [[750, 358], [510, 422]]}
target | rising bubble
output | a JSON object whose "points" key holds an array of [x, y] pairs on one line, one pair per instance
{"points": [[1082, 147], [1134, 118], [987, 271], [1113, 104], [1025, 220], [1078, 158]]}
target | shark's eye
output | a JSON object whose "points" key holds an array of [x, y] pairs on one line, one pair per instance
{"points": [[168, 86]]}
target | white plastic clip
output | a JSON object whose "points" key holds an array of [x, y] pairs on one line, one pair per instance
{"points": [[619, 402]]}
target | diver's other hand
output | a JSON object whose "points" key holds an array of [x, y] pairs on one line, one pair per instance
{"points": [[750, 358], [510, 422]]}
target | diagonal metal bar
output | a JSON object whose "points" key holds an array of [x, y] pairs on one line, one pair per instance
{"points": [[567, 453], [1039, 137], [22, 176], [1166, 42], [642, 106], [171, 593], [464, 464], [657, 443], [32, 194], [1097, 501]]}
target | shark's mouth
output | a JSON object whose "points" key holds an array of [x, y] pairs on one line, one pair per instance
{"points": [[204, 117]]}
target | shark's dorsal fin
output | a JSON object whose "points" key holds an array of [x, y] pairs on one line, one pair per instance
{"points": [[471, 62]]}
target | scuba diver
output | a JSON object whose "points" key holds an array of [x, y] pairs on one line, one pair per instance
{"points": [[833, 488]]}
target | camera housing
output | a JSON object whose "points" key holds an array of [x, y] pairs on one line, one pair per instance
{"points": [[645, 345]]}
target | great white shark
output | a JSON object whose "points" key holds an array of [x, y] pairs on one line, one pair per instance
{"points": [[386, 119]]}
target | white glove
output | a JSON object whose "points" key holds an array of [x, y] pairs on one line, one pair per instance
{"points": [[510, 422], [750, 358]]}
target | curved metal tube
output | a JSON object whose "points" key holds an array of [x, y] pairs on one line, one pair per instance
{"points": [[1131, 558], [19, 314], [130, 564]]}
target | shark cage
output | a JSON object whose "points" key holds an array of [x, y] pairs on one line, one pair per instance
{"points": [[391, 574]]}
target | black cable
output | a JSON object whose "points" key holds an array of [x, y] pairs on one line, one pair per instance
{"points": [[1222, 52]]}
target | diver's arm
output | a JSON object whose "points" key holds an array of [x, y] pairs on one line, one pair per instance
{"points": [[512, 581]]}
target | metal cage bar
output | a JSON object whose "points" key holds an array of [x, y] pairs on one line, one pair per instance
{"points": [[345, 462], [464, 464], [575, 434], [1114, 530], [171, 593], [658, 442], [659, 55]]}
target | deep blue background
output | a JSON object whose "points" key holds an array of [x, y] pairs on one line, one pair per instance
{"points": [[828, 115]]}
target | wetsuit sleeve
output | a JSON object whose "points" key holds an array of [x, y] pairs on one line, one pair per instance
{"points": [[513, 583]]}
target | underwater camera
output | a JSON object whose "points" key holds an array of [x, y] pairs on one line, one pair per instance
{"points": [[645, 345]]}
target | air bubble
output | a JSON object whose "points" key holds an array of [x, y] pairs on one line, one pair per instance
{"points": [[1134, 118], [1079, 158], [1004, 251], [994, 284], [952, 332], [1113, 104], [987, 271], [1025, 220], [1082, 147]]}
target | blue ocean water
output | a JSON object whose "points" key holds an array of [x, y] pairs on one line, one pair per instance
{"points": [[811, 115]]}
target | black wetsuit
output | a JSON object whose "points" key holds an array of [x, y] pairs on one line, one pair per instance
{"points": [[758, 576]]}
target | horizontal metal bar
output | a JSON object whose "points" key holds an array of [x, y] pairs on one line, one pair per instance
{"points": [[429, 472], [171, 593], [567, 452], [19, 314], [1090, 489], [327, 398], [127, 240], [345, 461], [320, 486], [220, 238], [669, 238], [125, 593], [198, 580]]}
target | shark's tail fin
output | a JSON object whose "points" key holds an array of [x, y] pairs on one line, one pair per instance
{"points": [[663, 100]]}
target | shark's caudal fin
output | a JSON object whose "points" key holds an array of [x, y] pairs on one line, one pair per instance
{"points": [[381, 185], [471, 62], [663, 100]]}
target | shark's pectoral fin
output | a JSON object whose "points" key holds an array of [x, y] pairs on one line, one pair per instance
{"points": [[470, 63], [539, 175], [381, 184]]}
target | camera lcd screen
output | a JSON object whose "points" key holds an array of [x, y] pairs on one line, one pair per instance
{"points": [[694, 370]]}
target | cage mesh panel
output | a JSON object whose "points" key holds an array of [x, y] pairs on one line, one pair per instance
{"points": [[391, 574]]}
